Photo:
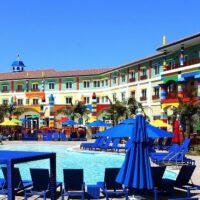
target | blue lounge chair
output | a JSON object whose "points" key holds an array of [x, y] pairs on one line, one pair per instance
{"points": [[86, 145], [63, 136], [113, 145], [55, 136], [99, 144], [105, 145], [126, 147], [159, 143], [110, 187], [73, 183], [41, 183], [182, 180], [18, 183], [168, 144]]}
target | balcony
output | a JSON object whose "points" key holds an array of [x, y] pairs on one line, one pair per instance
{"points": [[143, 98], [187, 63], [35, 90], [132, 80], [155, 97], [20, 90], [172, 95], [4, 91], [143, 77]]}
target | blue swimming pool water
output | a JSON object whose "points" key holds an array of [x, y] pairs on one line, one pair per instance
{"points": [[93, 164]]}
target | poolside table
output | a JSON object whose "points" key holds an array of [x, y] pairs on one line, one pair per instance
{"points": [[10, 158]]}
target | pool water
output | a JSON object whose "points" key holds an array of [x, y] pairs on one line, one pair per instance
{"points": [[94, 164]]}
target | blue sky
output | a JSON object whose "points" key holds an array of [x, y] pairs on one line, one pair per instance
{"points": [[83, 34]]}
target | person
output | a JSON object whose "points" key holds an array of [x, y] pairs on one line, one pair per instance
{"points": [[1, 139]]}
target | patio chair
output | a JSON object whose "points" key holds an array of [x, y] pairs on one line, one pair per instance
{"points": [[18, 183], [73, 183], [110, 187], [41, 183], [182, 181]]}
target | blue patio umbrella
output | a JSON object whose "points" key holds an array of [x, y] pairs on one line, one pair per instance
{"points": [[24, 120], [98, 123], [125, 129], [136, 170], [69, 123]]}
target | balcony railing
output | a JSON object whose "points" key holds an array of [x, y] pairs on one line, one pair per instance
{"points": [[172, 95], [186, 63], [20, 90], [143, 98], [132, 80], [143, 77], [4, 91], [35, 90], [154, 97]]}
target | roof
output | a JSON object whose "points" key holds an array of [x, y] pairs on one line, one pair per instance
{"points": [[50, 73], [186, 40], [18, 63]]}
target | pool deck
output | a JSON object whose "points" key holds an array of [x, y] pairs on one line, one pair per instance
{"points": [[74, 145]]}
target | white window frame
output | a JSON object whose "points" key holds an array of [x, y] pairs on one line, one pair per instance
{"points": [[86, 84], [4, 87], [96, 83], [51, 84], [68, 84], [35, 99], [87, 100], [20, 101], [68, 101]]}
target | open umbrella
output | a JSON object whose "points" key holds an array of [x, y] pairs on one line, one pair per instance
{"points": [[8, 123], [125, 129], [136, 170], [69, 123], [159, 123], [17, 121], [98, 123], [24, 120]]}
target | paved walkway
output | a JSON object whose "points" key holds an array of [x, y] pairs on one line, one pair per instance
{"points": [[75, 146]]}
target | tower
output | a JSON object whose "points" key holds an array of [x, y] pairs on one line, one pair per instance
{"points": [[18, 65]]}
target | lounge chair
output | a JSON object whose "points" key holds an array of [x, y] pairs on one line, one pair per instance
{"points": [[73, 183], [113, 145], [110, 187], [55, 136], [99, 144], [159, 143], [63, 136], [18, 183], [126, 147], [182, 180], [41, 183], [168, 144], [105, 145], [86, 145]]}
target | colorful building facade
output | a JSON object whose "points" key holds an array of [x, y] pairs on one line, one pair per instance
{"points": [[156, 81]]}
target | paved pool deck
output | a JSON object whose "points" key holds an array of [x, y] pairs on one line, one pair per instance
{"points": [[75, 145]]}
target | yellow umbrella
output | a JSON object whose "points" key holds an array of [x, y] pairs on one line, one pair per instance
{"points": [[17, 121], [8, 123], [159, 123]]}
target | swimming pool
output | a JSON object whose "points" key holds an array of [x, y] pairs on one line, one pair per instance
{"points": [[94, 164]]}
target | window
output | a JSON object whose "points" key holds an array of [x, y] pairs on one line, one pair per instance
{"points": [[133, 94], [143, 71], [19, 101], [51, 85], [144, 93], [114, 80], [35, 87], [97, 99], [86, 84], [5, 102], [106, 82], [104, 99], [96, 83], [87, 100], [156, 91], [123, 77], [35, 101], [4, 88], [171, 63], [132, 75], [69, 84], [19, 87], [114, 96], [68, 100], [156, 69], [102, 83], [123, 96]]}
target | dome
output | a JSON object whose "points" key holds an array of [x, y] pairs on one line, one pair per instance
{"points": [[18, 63]]}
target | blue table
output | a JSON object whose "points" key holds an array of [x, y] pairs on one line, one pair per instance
{"points": [[10, 158]]}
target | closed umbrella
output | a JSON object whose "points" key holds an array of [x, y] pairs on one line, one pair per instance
{"points": [[136, 170], [8, 123]]}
